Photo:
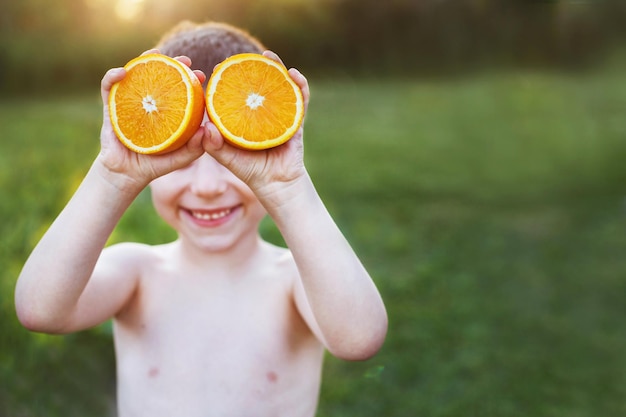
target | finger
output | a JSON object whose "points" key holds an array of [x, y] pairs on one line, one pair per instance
{"points": [[215, 145], [214, 141], [178, 158], [200, 75], [188, 153], [184, 60], [151, 51], [302, 82], [194, 144], [111, 77], [273, 56]]}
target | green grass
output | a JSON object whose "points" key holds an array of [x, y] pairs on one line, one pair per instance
{"points": [[490, 212]]}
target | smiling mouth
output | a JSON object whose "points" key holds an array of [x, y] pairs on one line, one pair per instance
{"points": [[210, 215]]}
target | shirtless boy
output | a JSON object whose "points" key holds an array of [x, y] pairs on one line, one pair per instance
{"points": [[218, 322]]}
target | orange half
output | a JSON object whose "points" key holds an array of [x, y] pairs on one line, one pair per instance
{"points": [[158, 106], [253, 102]]}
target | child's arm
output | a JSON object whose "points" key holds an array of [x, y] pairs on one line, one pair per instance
{"points": [[68, 282], [336, 295], [52, 289]]}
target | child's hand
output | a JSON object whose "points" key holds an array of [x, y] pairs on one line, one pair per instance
{"points": [[131, 168], [265, 169]]}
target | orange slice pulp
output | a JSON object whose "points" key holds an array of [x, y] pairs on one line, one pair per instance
{"points": [[253, 102], [158, 106]]}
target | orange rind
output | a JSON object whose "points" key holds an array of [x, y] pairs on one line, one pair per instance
{"points": [[158, 106], [253, 102]]}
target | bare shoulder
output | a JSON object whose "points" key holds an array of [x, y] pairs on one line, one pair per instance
{"points": [[280, 258], [278, 252], [130, 256], [130, 250]]}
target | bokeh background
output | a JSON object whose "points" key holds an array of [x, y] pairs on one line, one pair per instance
{"points": [[473, 152]]}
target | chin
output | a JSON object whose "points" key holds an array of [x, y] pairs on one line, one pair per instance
{"points": [[214, 245]]}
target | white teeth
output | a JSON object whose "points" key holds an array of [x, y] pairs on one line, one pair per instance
{"points": [[210, 216]]}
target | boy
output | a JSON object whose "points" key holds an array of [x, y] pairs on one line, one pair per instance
{"points": [[218, 322]]}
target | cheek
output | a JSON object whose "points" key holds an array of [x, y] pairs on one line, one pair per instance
{"points": [[257, 211], [251, 201], [162, 200]]}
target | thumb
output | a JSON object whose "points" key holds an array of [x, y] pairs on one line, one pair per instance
{"points": [[238, 161], [111, 77], [215, 145], [213, 139]]}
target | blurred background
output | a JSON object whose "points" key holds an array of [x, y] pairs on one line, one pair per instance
{"points": [[471, 150], [69, 43]]}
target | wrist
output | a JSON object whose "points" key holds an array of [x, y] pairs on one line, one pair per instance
{"points": [[285, 197], [119, 181]]}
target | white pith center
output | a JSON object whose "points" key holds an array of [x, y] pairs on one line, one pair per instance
{"points": [[254, 101], [210, 216], [149, 104]]}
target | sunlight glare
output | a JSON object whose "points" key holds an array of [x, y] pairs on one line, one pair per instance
{"points": [[128, 9]]}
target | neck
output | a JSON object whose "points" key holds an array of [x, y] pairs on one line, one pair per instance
{"points": [[227, 258]]}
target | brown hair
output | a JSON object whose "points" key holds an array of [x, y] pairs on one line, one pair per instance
{"points": [[207, 44]]}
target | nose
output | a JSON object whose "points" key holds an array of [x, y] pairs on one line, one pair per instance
{"points": [[210, 178]]}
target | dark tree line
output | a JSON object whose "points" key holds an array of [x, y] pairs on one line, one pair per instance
{"points": [[46, 44]]}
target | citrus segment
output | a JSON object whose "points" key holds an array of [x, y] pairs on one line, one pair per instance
{"points": [[253, 102], [158, 105]]}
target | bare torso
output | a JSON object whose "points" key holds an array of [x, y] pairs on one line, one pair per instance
{"points": [[195, 344]]}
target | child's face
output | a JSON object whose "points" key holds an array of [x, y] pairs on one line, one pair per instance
{"points": [[207, 205]]}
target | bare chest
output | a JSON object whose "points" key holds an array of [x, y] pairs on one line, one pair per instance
{"points": [[217, 346]]}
